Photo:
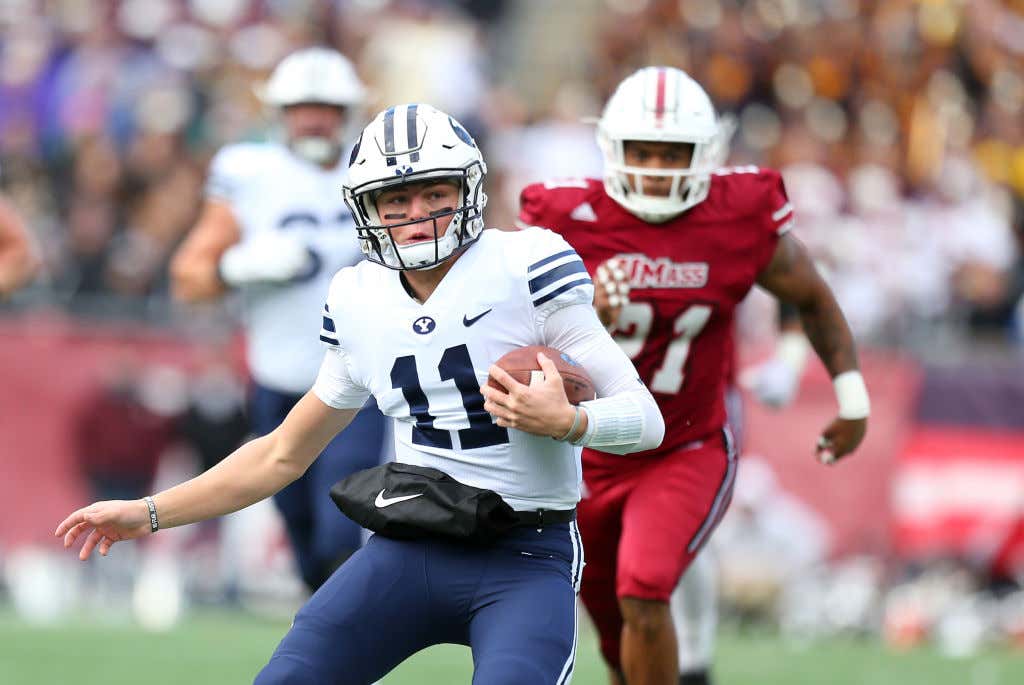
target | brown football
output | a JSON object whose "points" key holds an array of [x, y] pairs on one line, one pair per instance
{"points": [[520, 362]]}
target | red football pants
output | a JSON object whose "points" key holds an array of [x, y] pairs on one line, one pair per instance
{"points": [[644, 520]]}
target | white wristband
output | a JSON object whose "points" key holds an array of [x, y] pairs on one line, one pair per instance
{"points": [[612, 421], [852, 395]]}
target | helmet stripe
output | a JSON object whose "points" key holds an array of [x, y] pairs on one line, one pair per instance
{"points": [[678, 91], [389, 136], [410, 128], [659, 99]]}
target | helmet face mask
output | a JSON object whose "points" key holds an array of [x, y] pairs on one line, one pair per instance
{"points": [[319, 77], [315, 131], [664, 105], [412, 144]]}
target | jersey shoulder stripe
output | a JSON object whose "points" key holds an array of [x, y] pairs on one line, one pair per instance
{"points": [[556, 273], [547, 260], [561, 289], [328, 333]]}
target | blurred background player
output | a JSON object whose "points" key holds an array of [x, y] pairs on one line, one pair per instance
{"points": [[275, 226], [691, 244], [19, 260]]}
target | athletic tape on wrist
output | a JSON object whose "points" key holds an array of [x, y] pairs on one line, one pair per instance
{"points": [[852, 395]]}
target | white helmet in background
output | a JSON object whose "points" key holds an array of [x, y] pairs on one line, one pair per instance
{"points": [[409, 144], [316, 76], [665, 105]]}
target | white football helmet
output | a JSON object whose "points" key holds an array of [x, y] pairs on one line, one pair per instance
{"points": [[317, 76], [408, 144], [660, 104]]}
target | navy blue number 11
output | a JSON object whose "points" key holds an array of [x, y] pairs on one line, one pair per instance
{"points": [[457, 366]]}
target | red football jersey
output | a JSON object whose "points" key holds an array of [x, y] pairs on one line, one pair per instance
{"points": [[686, 277]]}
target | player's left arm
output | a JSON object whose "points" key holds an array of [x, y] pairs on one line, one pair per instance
{"points": [[19, 260], [623, 419], [791, 276]]}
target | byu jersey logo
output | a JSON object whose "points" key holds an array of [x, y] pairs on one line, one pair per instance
{"points": [[424, 325]]}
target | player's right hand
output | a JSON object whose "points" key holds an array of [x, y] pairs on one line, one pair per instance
{"points": [[106, 523], [841, 437], [611, 292], [541, 407], [267, 258]]}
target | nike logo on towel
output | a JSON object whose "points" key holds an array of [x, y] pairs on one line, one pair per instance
{"points": [[383, 501], [467, 322]]}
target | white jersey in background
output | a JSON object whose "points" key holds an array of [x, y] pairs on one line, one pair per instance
{"points": [[426, 362], [270, 189]]}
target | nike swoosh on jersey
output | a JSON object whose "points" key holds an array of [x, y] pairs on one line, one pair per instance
{"points": [[467, 322], [383, 501]]}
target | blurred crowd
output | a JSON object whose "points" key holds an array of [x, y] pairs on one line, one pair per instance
{"points": [[898, 125]]}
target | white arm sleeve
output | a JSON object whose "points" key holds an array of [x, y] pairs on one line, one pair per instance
{"points": [[334, 384], [625, 418]]}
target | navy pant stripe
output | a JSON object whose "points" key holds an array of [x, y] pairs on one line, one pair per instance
{"points": [[566, 675]]}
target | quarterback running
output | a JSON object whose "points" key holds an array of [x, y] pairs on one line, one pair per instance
{"points": [[419, 325]]}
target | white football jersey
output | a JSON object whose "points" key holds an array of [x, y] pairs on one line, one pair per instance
{"points": [[425, 363], [270, 189]]}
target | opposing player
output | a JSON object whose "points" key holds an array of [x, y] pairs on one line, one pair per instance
{"points": [[692, 241], [19, 260], [275, 227], [436, 303]]}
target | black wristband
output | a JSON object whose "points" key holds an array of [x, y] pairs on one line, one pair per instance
{"points": [[154, 524]]}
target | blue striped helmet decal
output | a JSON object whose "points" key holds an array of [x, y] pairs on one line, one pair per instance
{"points": [[410, 128], [389, 136]]}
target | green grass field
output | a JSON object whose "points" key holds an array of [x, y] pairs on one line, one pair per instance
{"points": [[226, 648]]}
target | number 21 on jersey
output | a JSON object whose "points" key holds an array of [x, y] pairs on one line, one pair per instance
{"points": [[635, 325]]}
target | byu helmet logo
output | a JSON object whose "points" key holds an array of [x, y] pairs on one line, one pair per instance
{"points": [[423, 325]]}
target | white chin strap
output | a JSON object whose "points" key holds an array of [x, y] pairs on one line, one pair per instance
{"points": [[624, 183], [424, 256], [316, 149]]}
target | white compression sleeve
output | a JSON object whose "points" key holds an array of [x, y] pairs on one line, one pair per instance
{"points": [[625, 418]]}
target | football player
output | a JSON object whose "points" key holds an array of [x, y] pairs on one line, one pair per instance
{"points": [[691, 240], [419, 325], [19, 260], [274, 227]]}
